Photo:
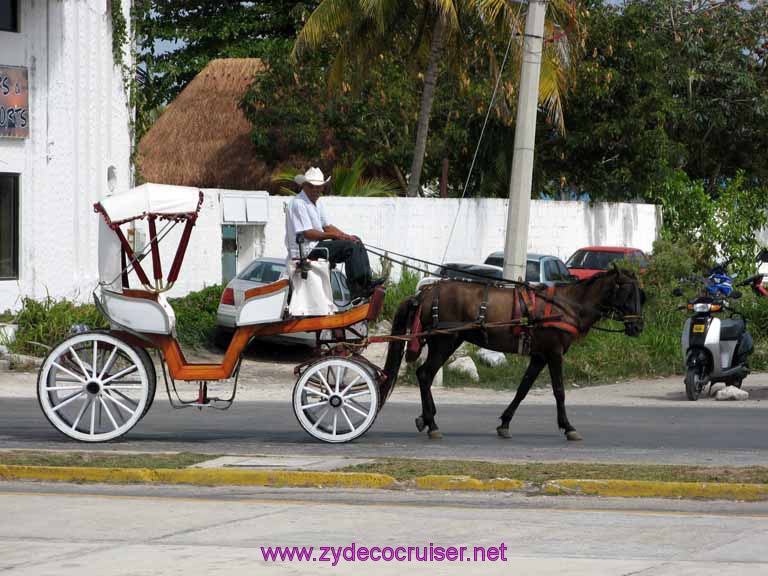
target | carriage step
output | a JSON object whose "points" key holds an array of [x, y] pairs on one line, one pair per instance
{"points": [[217, 403]]}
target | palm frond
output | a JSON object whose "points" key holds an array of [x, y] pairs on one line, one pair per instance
{"points": [[379, 187], [330, 17]]}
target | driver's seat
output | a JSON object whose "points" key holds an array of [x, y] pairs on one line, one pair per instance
{"points": [[310, 296]]}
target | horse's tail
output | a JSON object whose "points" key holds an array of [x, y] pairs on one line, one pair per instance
{"points": [[396, 348]]}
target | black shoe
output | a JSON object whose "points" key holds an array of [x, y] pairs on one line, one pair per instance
{"points": [[375, 282]]}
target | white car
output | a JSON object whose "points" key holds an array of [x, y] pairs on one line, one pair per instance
{"points": [[258, 273]]}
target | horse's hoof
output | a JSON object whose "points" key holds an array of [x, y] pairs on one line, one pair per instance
{"points": [[503, 432], [573, 436], [435, 435], [420, 424]]}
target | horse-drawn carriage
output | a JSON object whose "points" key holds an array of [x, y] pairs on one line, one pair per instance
{"points": [[97, 385]]}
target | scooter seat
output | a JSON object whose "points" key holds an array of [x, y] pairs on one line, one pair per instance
{"points": [[732, 328]]}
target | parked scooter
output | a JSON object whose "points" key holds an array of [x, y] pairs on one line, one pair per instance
{"points": [[715, 349]]}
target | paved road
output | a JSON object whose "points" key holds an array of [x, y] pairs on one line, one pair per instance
{"points": [[716, 436], [147, 530]]}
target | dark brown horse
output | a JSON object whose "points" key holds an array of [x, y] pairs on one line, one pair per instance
{"points": [[557, 317]]}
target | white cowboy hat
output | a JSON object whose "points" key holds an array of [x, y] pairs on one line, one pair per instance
{"points": [[314, 176]]}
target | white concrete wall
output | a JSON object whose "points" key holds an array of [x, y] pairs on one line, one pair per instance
{"points": [[414, 226], [79, 127], [421, 227]]}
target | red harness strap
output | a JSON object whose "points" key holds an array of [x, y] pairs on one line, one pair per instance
{"points": [[529, 297], [414, 345]]}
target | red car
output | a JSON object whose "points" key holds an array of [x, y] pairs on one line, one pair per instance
{"points": [[589, 261]]}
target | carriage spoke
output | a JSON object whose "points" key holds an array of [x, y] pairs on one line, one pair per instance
{"points": [[95, 357], [93, 417], [79, 362], [315, 392], [109, 413], [339, 376], [108, 391], [351, 406], [83, 408], [60, 367], [325, 382], [346, 417], [335, 418], [68, 380], [51, 388], [108, 396], [69, 400], [109, 363], [122, 387], [315, 405], [122, 372], [355, 381], [356, 394], [320, 419]]}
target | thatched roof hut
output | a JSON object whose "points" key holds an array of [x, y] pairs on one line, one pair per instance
{"points": [[203, 138]]}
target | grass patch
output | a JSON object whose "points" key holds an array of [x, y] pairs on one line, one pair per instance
{"points": [[101, 460], [407, 469]]}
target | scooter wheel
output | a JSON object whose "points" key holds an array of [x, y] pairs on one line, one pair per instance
{"points": [[692, 388]]}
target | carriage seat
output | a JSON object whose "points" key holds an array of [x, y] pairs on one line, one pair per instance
{"points": [[313, 295], [264, 304], [140, 310]]}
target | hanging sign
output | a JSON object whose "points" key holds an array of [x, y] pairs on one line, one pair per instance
{"points": [[14, 102]]}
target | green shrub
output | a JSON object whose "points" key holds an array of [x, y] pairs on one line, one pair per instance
{"points": [[670, 261], [399, 291], [196, 315], [44, 323]]}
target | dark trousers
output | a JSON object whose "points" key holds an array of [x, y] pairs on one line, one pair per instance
{"points": [[355, 259]]}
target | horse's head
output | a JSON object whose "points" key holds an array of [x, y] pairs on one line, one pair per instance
{"points": [[625, 300]]}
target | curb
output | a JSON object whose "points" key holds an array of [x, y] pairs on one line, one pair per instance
{"points": [[303, 479], [437, 482], [198, 476], [652, 489]]}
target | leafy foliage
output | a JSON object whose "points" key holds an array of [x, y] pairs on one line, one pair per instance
{"points": [[203, 30], [665, 85], [725, 225], [196, 315]]}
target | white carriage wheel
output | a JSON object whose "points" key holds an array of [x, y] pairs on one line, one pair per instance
{"points": [[336, 400], [93, 387]]}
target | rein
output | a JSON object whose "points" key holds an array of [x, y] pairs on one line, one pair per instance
{"points": [[498, 282]]}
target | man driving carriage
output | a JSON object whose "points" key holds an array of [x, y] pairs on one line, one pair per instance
{"points": [[306, 214]]}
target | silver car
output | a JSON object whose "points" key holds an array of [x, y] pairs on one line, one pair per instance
{"points": [[539, 268], [258, 273]]}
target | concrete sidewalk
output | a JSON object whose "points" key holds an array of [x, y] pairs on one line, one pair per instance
{"points": [[199, 531]]}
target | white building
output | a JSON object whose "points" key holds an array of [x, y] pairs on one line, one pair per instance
{"points": [[64, 143]]}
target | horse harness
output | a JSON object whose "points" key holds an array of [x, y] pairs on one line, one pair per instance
{"points": [[528, 311]]}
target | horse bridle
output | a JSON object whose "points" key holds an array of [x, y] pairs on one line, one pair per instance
{"points": [[610, 312]]}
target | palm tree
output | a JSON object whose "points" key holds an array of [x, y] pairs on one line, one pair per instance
{"points": [[362, 27]]}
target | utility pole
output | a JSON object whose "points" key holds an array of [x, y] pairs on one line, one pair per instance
{"points": [[516, 245]]}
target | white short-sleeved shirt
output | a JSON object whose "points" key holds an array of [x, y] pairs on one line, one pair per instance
{"points": [[300, 215]]}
